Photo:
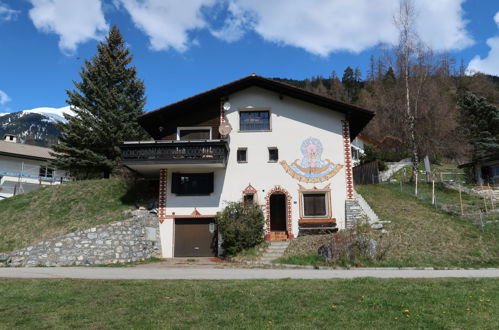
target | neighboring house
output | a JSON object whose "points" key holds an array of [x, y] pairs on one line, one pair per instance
{"points": [[358, 146], [24, 167], [253, 139], [486, 171]]}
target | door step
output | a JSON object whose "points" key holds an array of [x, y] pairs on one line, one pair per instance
{"points": [[278, 236]]}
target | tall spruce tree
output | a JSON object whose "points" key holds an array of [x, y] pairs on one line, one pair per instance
{"points": [[480, 125], [106, 102]]}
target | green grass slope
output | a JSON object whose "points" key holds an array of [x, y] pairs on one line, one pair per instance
{"points": [[419, 235], [56, 210]]}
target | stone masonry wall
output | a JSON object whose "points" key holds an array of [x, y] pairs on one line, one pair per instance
{"points": [[124, 241], [354, 213]]}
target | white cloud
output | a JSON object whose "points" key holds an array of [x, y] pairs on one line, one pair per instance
{"points": [[4, 98], [75, 21], [325, 26], [489, 64], [167, 22], [6, 13]]}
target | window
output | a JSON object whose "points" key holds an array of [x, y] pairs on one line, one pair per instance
{"points": [[254, 120], [46, 172], [193, 133], [192, 183], [355, 154], [249, 198], [314, 205], [273, 155], [242, 155]]}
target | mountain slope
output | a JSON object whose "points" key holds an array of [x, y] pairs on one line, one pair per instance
{"points": [[35, 126]]}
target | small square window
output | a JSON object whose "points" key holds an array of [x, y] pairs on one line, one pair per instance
{"points": [[242, 155], [249, 198], [273, 155]]}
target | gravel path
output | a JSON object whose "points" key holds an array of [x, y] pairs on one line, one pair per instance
{"points": [[174, 273]]}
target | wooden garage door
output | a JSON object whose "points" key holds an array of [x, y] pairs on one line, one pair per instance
{"points": [[194, 239]]}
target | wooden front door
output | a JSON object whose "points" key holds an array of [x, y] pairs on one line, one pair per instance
{"points": [[278, 212]]}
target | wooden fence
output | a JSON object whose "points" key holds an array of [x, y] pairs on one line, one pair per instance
{"points": [[366, 173]]}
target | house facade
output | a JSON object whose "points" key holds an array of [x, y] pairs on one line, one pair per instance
{"points": [[24, 167], [255, 140]]}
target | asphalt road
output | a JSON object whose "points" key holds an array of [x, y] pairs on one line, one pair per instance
{"points": [[177, 273]]}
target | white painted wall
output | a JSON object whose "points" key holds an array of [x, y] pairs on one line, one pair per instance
{"points": [[292, 121], [14, 169]]}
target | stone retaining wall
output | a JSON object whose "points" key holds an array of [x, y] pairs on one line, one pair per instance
{"points": [[354, 213], [124, 241]]}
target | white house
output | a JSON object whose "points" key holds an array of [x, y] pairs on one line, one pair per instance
{"points": [[24, 167], [253, 139]]}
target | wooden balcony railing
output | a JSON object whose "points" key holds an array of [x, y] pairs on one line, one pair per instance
{"points": [[175, 152]]}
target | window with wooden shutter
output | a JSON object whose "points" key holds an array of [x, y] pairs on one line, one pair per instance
{"points": [[315, 205]]}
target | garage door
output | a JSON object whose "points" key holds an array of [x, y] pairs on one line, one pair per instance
{"points": [[195, 238]]}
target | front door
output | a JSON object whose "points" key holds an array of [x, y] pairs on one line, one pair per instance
{"points": [[278, 212]]}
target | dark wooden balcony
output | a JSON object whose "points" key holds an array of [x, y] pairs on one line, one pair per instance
{"points": [[202, 152]]}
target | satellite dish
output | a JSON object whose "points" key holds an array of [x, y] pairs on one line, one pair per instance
{"points": [[226, 106], [225, 128]]}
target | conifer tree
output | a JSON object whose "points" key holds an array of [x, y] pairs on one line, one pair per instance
{"points": [[106, 102], [480, 125]]}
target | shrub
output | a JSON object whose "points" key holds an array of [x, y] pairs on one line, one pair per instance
{"points": [[241, 226]]}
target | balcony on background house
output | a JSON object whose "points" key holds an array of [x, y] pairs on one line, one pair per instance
{"points": [[147, 157]]}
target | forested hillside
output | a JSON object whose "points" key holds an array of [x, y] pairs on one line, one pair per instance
{"points": [[436, 83]]}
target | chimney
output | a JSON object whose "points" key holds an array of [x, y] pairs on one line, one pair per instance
{"points": [[10, 138]]}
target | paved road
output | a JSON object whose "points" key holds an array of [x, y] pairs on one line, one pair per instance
{"points": [[174, 273]]}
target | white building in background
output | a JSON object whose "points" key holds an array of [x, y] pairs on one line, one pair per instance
{"points": [[254, 139], [24, 167]]}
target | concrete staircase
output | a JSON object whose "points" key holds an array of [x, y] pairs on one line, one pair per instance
{"points": [[393, 168], [274, 251], [371, 215]]}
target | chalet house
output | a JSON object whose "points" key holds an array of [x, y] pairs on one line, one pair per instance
{"points": [[24, 167], [254, 139]]}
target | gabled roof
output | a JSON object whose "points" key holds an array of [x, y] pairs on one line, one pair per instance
{"points": [[358, 117], [27, 151]]}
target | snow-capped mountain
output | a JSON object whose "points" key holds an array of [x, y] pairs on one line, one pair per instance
{"points": [[34, 126]]}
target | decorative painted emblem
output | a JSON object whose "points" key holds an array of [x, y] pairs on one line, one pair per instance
{"points": [[311, 168]]}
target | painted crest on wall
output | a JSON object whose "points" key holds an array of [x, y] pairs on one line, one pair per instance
{"points": [[311, 168]]}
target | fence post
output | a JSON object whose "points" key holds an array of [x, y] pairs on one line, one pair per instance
{"points": [[433, 191], [461, 201]]}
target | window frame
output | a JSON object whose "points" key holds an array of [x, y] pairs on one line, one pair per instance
{"points": [[194, 128], [47, 172], [245, 155], [255, 109], [277, 150], [327, 203]]}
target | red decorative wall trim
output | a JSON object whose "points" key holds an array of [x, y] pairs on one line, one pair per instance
{"points": [[163, 177], [250, 190], [288, 213], [347, 150]]}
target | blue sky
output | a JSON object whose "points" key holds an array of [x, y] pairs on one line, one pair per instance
{"points": [[185, 47]]}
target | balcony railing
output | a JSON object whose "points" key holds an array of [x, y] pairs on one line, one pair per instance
{"points": [[175, 152]]}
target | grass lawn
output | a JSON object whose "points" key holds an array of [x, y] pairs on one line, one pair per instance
{"points": [[254, 304], [418, 236], [51, 211]]}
